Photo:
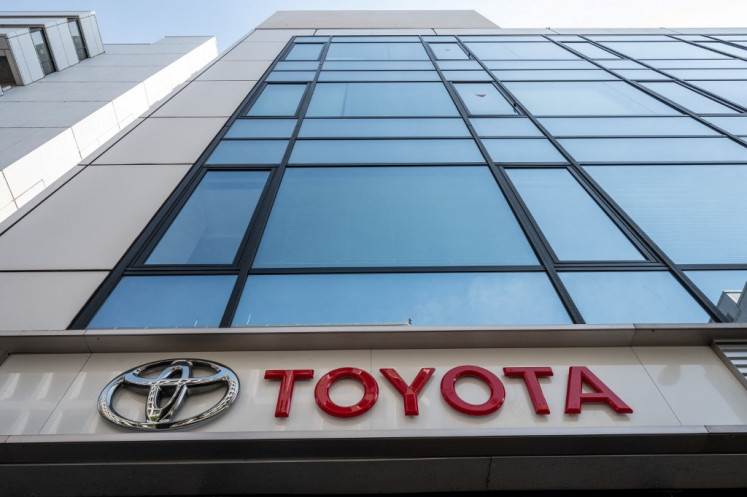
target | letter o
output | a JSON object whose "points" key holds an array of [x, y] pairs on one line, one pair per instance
{"points": [[370, 392], [497, 391]]}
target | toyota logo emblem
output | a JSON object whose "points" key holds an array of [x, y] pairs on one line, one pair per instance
{"points": [[168, 390]]}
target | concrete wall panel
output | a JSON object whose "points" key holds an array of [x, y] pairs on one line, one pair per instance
{"points": [[235, 70], [206, 99], [59, 294], [104, 208]]}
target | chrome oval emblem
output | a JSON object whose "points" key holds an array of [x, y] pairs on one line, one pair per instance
{"points": [[167, 392]]}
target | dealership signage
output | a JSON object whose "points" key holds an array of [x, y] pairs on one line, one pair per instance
{"points": [[167, 385]]}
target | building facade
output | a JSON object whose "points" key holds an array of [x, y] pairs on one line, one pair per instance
{"points": [[415, 252]]}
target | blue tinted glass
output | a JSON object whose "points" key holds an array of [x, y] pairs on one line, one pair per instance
{"points": [[248, 152], [698, 63], [575, 226], [210, 226], [502, 38], [467, 76], [384, 151], [641, 74], [165, 302], [422, 299], [459, 65], [291, 76], [540, 75], [483, 99], [373, 39], [522, 150], [632, 297], [736, 125], [708, 73], [364, 128], [376, 51], [696, 214], [296, 66], [539, 64], [311, 39], [303, 51], [624, 126], [715, 283], [543, 50], [590, 51], [391, 216], [654, 149], [733, 91], [278, 100], [378, 65], [505, 127], [662, 50], [379, 76], [591, 98], [722, 47], [262, 128], [381, 99], [688, 98], [448, 51]]}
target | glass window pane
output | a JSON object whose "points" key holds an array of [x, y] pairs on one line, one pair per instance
{"points": [[722, 47], [641, 74], [448, 51], [376, 51], [698, 63], [714, 283], [278, 100], [736, 125], [385, 152], [391, 216], [654, 149], [539, 64], [459, 65], [372, 39], [305, 51], [503, 38], [662, 50], [515, 126], [365, 128], [262, 128], [379, 76], [296, 66], [575, 226], [696, 214], [688, 98], [211, 225], [539, 75], [542, 50], [522, 150], [248, 152], [591, 51], [483, 99], [381, 99], [620, 64], [467, 76], [421, 299], [624, 126], [592, 98], [632, 297], [291, 76], [705, 74], [165, 302], [378, 65], [733, 91]]}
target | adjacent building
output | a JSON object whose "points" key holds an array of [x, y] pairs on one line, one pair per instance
{"points": [[414, 252], [64, 94]]}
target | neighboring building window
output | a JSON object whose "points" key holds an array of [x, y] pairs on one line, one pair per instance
{"points": [[80, 46], [42, 50], [459, 180]]}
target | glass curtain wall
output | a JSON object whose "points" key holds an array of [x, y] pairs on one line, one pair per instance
{"points": [[456, 181]]}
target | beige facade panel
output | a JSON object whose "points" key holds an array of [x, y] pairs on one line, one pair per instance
{"points": [[104, 208], [44, 300], [278, 34], [206, 99], [507, 31], [375, 32], [376, 19], [164, 141], [255, 50], [235, 70]]}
